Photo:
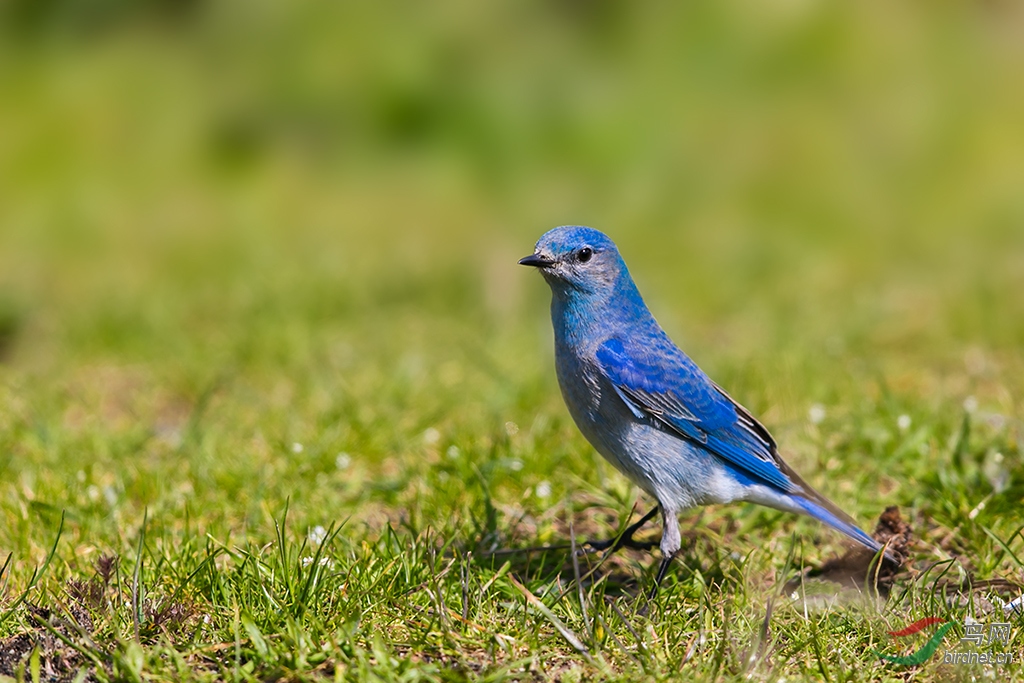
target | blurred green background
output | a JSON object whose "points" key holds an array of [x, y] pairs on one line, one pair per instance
{"points": [[167, 165], [240, 240]]}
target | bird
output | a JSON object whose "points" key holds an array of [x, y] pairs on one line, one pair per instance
{"points": [[649, 410]]}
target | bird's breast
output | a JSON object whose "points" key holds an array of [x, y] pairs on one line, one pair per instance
{"points": [[593, 404], [579, 381]]}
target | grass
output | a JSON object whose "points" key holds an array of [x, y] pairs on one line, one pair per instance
{"points": [[274, 397]]}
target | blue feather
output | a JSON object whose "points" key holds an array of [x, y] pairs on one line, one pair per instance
{"points": [[670, 389]]}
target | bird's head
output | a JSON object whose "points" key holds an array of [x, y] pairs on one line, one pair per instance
{"points": [[577, 260]]}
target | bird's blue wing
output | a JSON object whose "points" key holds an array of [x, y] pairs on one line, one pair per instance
{"points": [[658, 381]]}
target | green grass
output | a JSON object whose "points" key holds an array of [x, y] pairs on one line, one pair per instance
{"points": [[273, 390]]}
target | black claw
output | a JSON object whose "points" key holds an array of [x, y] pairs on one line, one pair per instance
{"points": [[626, 539], [598, 545], [623, 542], [662, 570]]}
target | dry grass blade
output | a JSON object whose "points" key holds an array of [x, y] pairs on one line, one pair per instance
{"points": [[559, 625]]}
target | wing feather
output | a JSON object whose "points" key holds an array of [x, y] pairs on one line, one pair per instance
{"points": [[660, 382]]}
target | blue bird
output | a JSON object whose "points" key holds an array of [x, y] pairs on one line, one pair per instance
{"points": [[648, 409]]}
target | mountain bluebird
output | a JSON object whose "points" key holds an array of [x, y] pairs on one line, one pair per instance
{"points": [[648, 409]]}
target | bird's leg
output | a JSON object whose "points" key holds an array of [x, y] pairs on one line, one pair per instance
{"points": [[625, 540], [671, 541], [662, 570]]}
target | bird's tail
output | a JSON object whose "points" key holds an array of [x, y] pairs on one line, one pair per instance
{"points": [[813, 504], [837, 519]]}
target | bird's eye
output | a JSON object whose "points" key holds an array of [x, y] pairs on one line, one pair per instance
{"points": [[584, 254]]}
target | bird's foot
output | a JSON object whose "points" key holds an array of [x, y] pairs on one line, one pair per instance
{"points": [[625, 539], [617, 543], [662, 570]]}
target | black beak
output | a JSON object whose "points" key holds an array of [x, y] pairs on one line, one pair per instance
{"points": [[537, 261]]}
